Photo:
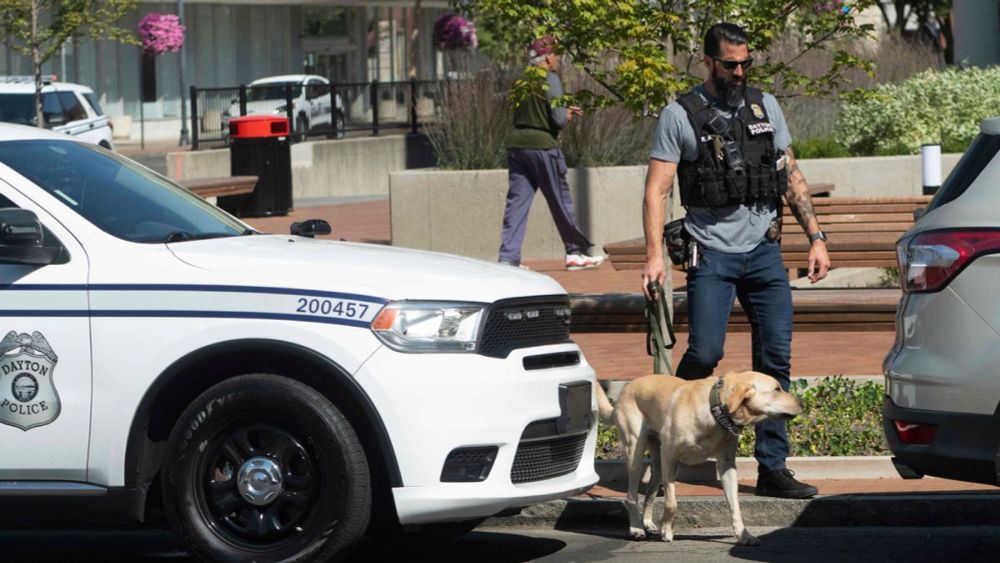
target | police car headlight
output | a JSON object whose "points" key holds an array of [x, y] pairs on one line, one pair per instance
{"points": [[429, 327]]}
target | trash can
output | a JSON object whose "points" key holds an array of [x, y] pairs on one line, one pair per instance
{"points": [[260, 146]]}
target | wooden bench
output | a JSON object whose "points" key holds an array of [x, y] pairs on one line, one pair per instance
{"points": [[814, 310], [221, 186], [862, 233]]}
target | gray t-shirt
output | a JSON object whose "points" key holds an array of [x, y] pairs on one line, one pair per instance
{"points": [[736, 228]]}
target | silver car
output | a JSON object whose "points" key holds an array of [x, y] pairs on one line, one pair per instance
{"points": [[942, 375]]}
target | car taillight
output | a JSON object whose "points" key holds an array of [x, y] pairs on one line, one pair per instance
{"points": [[914, 433], [928, 261]]}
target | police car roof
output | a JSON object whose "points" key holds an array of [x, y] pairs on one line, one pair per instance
{"points": [[12, 132], [286, 78], [991, 126], [28, 87]]}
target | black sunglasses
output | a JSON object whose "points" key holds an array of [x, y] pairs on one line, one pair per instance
{"points": [[731, 65]]}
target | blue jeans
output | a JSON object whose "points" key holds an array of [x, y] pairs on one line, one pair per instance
{"points": [[759, 280]]}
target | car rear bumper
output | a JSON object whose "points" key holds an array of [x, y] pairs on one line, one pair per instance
{"points": [[964, 447]]}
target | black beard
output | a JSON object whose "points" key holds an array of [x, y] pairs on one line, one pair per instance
{"points": [[729, 91]]}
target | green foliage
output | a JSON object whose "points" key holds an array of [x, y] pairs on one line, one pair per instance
{"points": [[59, 20], [943, 107], [636, 51], [841, 418], [821, 147]]}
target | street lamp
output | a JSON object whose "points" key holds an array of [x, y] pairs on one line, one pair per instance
{"points": [[184, 128]]}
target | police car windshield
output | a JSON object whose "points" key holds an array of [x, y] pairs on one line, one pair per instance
{"points": [[117, 195]]}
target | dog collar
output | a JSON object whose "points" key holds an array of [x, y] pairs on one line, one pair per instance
{"points": [[720, 412]]}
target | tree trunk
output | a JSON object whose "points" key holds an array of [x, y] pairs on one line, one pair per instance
{"points": [[36, 65]]}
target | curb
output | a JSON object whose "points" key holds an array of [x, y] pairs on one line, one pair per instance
{"points": [[805, 468], [930, 510]]}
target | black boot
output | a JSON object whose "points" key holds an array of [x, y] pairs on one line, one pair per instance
{"points": [[781, 483]]}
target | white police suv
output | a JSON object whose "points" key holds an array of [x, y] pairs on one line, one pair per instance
{"points": [[279, 394], [67, 108]]}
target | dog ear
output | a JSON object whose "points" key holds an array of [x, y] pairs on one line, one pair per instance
{"points": [[739, 395]]}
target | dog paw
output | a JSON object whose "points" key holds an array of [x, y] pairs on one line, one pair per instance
{"points": [[746, 538], [667, 533], [650, 527], [637, 533]]}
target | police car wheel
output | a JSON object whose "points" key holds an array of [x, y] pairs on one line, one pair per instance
{"points": [[265, 468]]}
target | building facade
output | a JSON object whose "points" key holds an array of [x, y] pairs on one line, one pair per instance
{"points": [[232, 42]]}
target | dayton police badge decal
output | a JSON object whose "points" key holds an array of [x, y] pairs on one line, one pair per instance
{"points": [[758, 111], [28, 397]]}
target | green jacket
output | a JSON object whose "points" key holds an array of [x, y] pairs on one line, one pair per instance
{"points": [[536, 123]]}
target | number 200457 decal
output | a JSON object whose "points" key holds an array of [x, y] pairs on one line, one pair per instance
{"points": [[334, 307]]}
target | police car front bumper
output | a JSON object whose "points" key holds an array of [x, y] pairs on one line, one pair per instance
{"points": [[434, 404]]}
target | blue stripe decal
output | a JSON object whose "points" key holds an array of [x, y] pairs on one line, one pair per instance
{"points": [[186, 315], [198, 288]]}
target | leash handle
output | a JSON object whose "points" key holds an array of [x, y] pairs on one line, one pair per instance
{"points": [[657, 318]]}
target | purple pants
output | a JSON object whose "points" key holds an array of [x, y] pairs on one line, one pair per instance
{"points": [[531, 169]]}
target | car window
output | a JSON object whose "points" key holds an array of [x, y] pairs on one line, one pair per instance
{"points": [[20, 108], [115, 194], [72, 106], [94, 104], [983, 150], [273, 91]]}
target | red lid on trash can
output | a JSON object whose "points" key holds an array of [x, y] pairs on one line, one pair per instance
{"points": [[258, 126]]}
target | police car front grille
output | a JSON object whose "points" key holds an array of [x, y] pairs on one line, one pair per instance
{"points": [[524, 323], [537, 460]]}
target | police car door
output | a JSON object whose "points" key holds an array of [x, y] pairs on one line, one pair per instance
{"points": [[45, 367]]}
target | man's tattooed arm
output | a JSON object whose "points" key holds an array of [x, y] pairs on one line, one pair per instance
{"points": [[798, 196]]}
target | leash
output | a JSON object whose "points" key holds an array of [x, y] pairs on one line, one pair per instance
{"points": [[658, 322]]}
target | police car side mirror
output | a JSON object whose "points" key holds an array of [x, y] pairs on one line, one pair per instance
{"points": [[311, 228], [22, 238]]}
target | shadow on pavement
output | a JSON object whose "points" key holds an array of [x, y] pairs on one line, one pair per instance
{"points": [[481, 547]]}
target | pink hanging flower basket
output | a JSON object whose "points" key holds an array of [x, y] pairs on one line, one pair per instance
{"points": [[161, 33], [452, 31]]}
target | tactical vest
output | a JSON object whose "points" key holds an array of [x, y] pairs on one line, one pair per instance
{"points": [[710, 180]]}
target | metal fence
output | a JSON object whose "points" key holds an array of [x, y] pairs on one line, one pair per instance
{"points": [[316, 110]]}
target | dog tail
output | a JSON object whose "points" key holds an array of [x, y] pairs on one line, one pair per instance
{"points": [[604, 408]]}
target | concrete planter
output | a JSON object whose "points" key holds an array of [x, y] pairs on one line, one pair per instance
{"points": [[461, 211]]}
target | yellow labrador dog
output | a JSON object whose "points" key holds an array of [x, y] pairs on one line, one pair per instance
{"points": [[688, 422]]}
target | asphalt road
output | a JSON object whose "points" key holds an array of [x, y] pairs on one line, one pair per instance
{"points": [[509, 545]]}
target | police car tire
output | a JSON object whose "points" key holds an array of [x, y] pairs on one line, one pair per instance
{"points": [[341, 507]]}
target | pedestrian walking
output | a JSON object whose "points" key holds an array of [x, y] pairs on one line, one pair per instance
{"points": [[535, 161], [728, 144]]}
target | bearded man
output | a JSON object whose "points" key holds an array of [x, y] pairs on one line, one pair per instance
{"points": [[728, 144]]}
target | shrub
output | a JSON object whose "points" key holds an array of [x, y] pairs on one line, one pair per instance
{"points": [[841, 418], [473, 123], [821, 147], [607, 137], [943, 107]]}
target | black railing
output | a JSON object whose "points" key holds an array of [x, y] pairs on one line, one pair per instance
{"points": [[327, 110]]}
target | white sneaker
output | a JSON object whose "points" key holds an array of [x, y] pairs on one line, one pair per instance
{"points": [[582, 261]]}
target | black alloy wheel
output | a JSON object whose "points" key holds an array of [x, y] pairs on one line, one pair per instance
{"points": [[265, 468]]}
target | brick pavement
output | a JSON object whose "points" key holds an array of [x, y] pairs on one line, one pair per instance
{"points": [[619, 356]]}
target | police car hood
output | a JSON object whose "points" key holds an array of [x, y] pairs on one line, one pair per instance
{"points": [[380, 271]]}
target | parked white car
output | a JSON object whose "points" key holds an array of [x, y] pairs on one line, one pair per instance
{"points": [[280, 392], [311, 107], [67, 108]]}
